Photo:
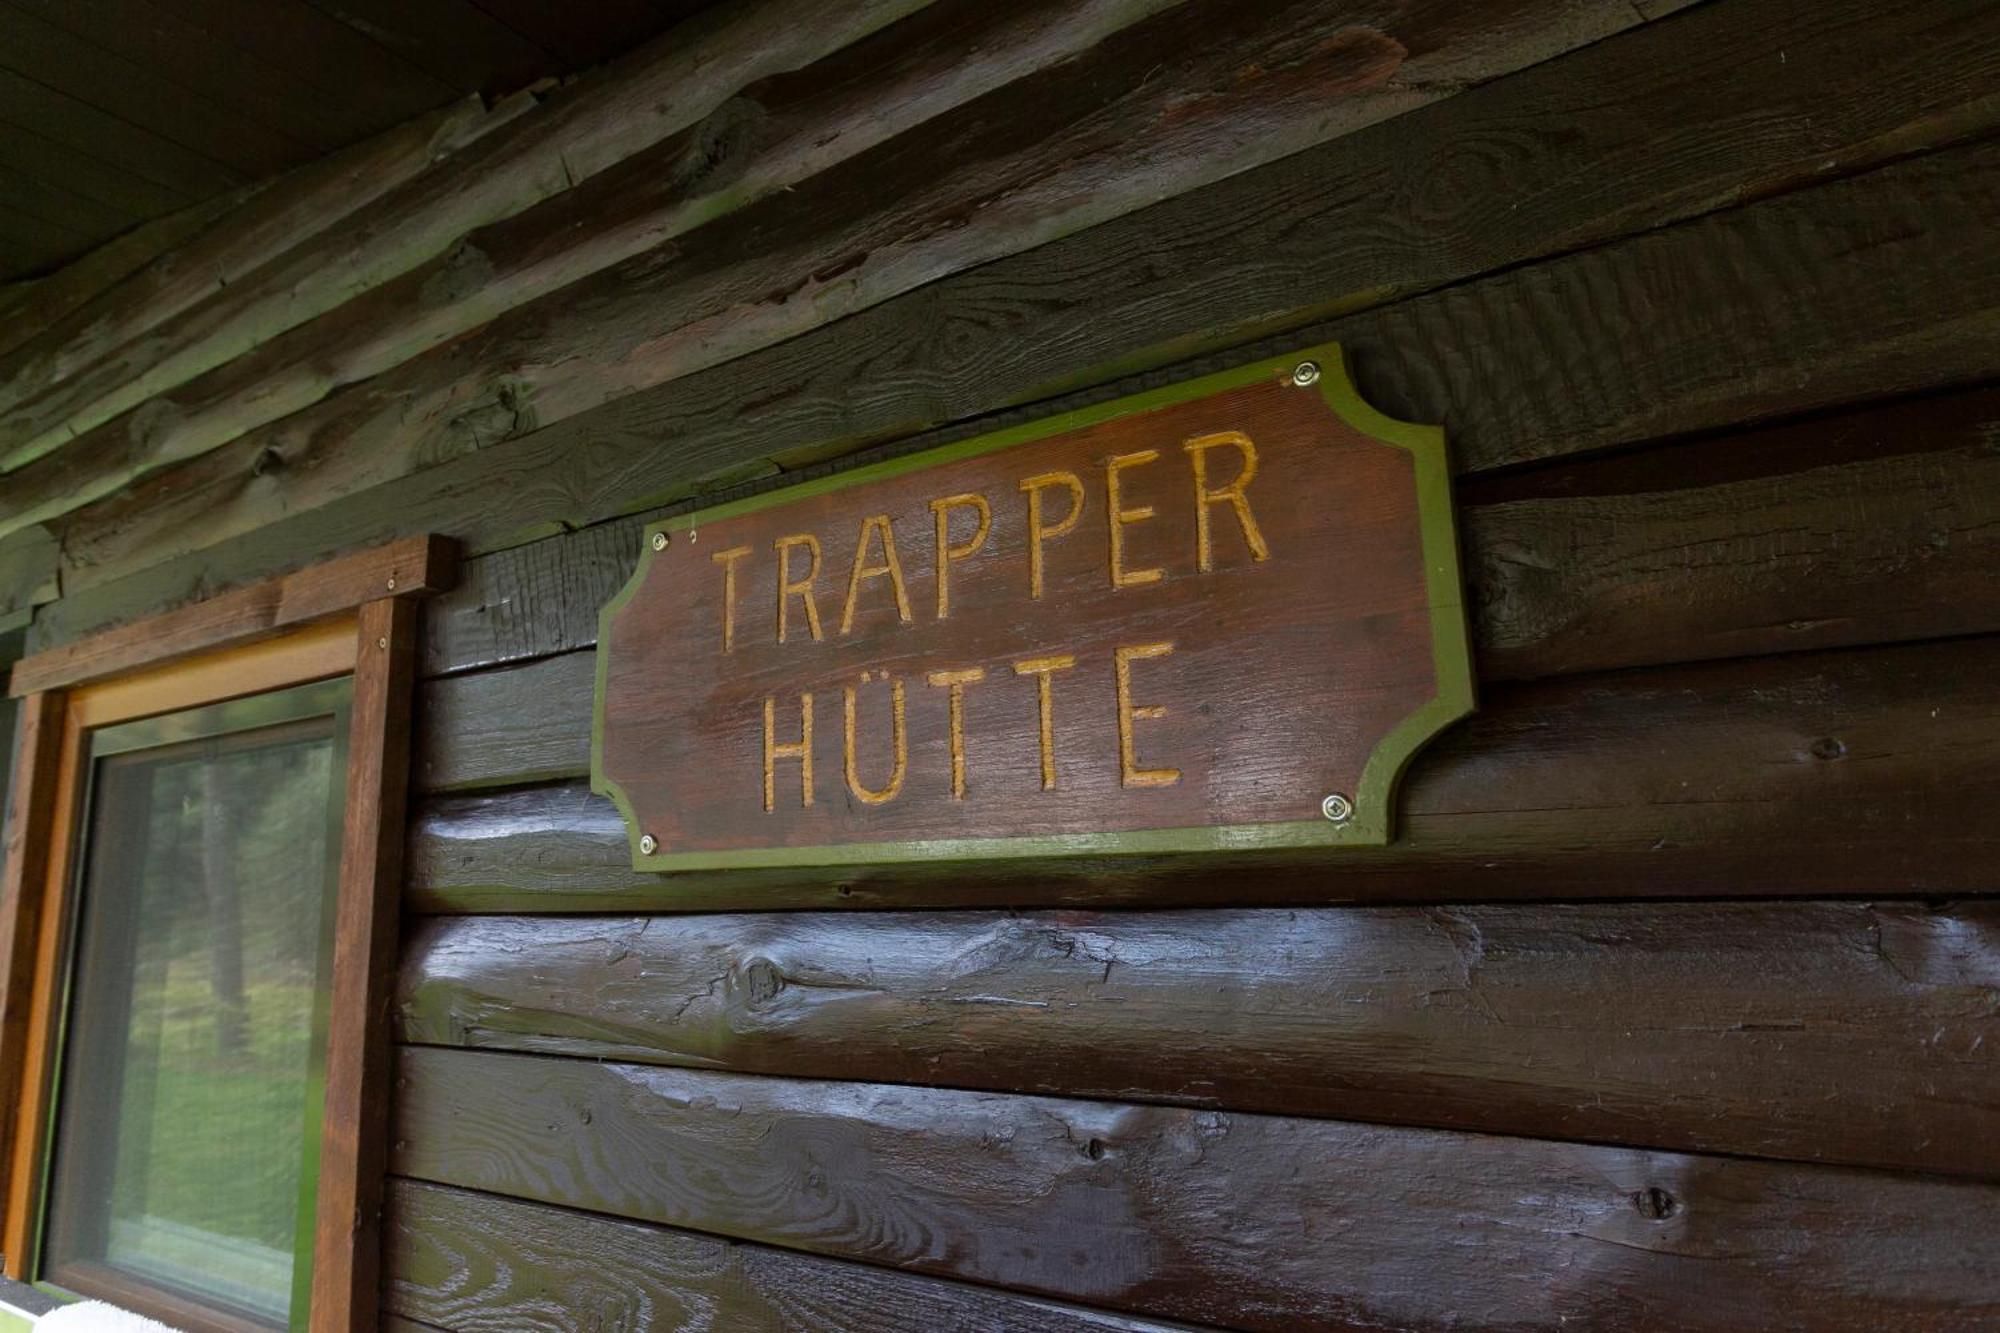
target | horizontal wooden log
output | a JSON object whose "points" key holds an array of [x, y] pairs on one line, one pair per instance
{"points": [[647, 96], [1895, 300], [1722, 1027], [414, 567], [29, 309], [1109, 130], [1852, 528], [137, 316], [1256, 1222], [1858, 772], [480, 1261], [769, 136]]}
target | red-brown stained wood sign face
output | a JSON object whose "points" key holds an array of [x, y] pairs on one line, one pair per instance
{"points": [[1218, 615]]}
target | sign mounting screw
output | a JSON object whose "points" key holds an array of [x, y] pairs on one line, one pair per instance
{"points": [[648, 844], [659, 541], [1305, 372], [1337, 808]]}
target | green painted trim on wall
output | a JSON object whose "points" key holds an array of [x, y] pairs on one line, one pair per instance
{"points": [[1373, 821]]}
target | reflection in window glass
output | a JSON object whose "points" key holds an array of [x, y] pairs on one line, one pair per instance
{"points": [[185, 1111]]}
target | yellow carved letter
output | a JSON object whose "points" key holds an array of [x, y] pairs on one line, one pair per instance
{"points": [[946, 552], [1033, 488], [1122, 577], [804, 586], [727, 559], [1198, 449], [875, 523], [801, 750], [898, 742], [1041, 668], [957, 680], [1130, 774]]}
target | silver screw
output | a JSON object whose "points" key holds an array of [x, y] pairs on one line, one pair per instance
{"points": [[659, 541], [648, 844], [1337, 808], [392, 583], [1305, 372], [382, 642]]}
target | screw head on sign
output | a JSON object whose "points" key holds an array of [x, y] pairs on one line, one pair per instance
{"points": [[659, 541], [648, 844], [1306, 372], [1337, 808], [392, 583]]}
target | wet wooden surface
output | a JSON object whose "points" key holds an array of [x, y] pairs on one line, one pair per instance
{"points": [[1261, 1222], [1677, 1025]]}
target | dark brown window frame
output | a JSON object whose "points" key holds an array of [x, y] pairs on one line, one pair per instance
{"points": [[356, 614]]}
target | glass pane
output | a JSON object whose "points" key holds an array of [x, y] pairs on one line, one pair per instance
{"points": [[190, 1054]]}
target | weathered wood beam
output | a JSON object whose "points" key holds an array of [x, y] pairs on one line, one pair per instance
{"points": [[134, 321], [968, 179], [1858, 772], [465, 1259], [1895, 255], [1720, 1027], [1256, 1222], [30, 309], [634, 102]]}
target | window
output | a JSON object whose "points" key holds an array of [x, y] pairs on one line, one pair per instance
{"points": [[196, 937], [192, 1057]]}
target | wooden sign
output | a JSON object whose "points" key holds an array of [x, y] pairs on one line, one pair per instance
{"points": [[1218, 615]]}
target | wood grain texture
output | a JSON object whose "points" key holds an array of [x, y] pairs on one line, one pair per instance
{"points": [[409, 219], [1855, 772], [1841, 529], [1723, 1027], [136, 319], [1257, 1222], [1200, 91], [413, 567], [347, 1244], [767, 136], [1252, 254], [488, 1264], [31, 808]]}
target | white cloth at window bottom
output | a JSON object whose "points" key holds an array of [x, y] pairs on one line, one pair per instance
{"points": [[97, 1317]]}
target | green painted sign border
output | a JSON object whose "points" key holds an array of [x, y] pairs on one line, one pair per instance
{"points": [[1372, 822]]}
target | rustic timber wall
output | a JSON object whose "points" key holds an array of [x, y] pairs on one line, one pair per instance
{"points": [[1677, 1003]]}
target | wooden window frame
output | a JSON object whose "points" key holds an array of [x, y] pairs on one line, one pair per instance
{"points": [[353, 615]]}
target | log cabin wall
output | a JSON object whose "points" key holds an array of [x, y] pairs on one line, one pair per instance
{"points": [[1677, 1001]]}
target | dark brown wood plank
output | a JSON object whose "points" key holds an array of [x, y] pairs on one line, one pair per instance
{"points": [[347, 1246], [579, 35], [1719, 1027], [31, 308], [452, 40], [155, 37], [399, 221], [1842, 529], [29, 154], [271, 222], [481, 1261], [1253, 254], [1257, 1222], [62, 207], [85, 128], [411, 568], [31, 45], [32, 246], [321, 52], [1866, 771]]}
